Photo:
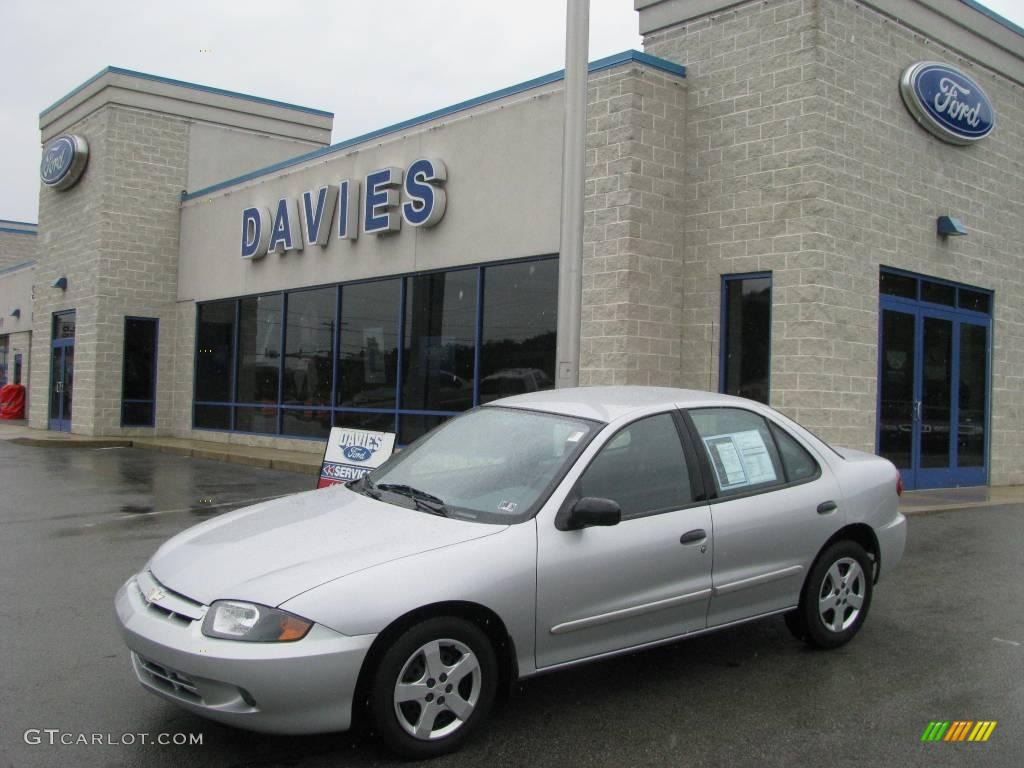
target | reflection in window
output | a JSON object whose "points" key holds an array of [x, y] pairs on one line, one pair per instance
{"points": [[412, 427], [739, 447], [517, 352], [798, 463], [746, 336], [440, 335], [307, 353], [259, 361], [215, 342], [642, 468], [138, 388], [249, 378], [259, 349], [368, 351], [972, 395]]}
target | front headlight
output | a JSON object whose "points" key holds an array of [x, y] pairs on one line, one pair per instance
{"points": [[234, 620]]}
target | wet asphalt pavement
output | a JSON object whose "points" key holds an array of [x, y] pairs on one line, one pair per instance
{"points": [[944, 640]]}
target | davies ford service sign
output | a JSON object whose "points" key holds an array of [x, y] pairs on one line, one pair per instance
{"points": [[352, 453], [946, 102]]}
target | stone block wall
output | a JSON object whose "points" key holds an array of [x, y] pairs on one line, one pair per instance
{"points": [[69, 246], [803, 161], [632, 266], [114, 236], [147, 162]]}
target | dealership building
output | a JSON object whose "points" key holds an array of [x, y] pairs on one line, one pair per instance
{"points": [[818, 204]]}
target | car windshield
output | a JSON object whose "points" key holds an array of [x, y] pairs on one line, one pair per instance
{"points": [[492, 464]]}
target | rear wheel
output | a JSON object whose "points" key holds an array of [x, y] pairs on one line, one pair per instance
{"points": [[835, 598], [433, 687]]}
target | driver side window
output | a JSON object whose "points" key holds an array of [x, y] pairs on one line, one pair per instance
{"points": [[642, 468]]}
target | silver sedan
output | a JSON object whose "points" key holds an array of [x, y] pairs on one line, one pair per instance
{"points": [[533, 533]]}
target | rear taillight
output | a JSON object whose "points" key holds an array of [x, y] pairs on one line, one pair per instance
{"points": [[899, 485]]}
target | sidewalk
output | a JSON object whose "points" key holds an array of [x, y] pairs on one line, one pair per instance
{"points": [[911, 503]]}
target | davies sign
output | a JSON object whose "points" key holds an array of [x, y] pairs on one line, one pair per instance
{"points": [[946, 102], [390, 195]]}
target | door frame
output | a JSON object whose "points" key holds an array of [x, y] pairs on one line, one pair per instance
{"points": [[915, 477], [57, 422]]}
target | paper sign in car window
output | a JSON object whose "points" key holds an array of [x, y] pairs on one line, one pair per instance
{"points": [[755, 458], [725, 459], [739, 459], [352, 453]]}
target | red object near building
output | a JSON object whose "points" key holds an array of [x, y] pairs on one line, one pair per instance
{"points": [[12, 401]]}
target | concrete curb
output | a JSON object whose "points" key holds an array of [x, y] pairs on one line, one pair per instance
{"points": [[85, 442]]}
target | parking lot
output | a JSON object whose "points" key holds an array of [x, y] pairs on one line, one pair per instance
{"points": [[944, 641]]}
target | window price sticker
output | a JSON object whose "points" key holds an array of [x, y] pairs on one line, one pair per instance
{"points": [[740, 459]]}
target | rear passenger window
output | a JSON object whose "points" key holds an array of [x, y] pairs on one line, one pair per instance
{"points": [[740, 449], [642, 468], [799, 464]]}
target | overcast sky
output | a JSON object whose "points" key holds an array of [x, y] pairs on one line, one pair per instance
{"points": [[371, 63]]}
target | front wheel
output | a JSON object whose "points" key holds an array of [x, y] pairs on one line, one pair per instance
{"points": [[433, 687], [835, 598]]}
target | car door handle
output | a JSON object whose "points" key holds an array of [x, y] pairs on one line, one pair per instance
{"points": [[827, 506], [692, 537]]}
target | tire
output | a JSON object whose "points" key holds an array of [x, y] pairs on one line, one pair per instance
{"points": [[419, 707], [835, 598]]}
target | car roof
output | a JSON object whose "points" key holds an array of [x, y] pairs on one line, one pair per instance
{"points": [[610, 403]]}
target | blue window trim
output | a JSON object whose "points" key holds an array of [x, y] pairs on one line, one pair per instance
{"points": [[917, 300], [595, 66], [154, 366], [398, 411], [723, 310]]}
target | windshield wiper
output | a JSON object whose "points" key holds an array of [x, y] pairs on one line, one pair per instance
{"points": [[422, 499], [363, 485]]}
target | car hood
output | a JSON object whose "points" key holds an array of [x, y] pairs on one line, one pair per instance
{"points": [[273, 551]]}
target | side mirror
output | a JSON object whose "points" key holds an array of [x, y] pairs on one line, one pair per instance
{"points": [[589, 511]]}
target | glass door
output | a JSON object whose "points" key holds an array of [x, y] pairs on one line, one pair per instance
{"points": [[933, 394], [62, 371]]}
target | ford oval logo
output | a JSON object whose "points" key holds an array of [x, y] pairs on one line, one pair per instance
{"points": [[947, 102], [357, 453], [64, 160]]}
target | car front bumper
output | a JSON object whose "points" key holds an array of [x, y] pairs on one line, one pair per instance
{"points": [[305, 686]]}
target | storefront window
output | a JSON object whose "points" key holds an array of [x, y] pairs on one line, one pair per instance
{"points": [[215, 344], [308, 363], [138, 389], [439, 341], [259, 363], [746, 335], [269, 364], [368, 350], [517, 346]]}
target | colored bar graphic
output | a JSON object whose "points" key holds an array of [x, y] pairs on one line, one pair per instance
{"points": [[958, 730]]}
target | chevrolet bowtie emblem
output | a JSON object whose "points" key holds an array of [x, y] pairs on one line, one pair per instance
{"points": [[155, 595]]}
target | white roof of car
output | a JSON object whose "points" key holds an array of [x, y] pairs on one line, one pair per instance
{"points": [[610, 403]]}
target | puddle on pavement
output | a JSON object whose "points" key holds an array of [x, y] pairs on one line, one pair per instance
{"points": [[135, 509]]}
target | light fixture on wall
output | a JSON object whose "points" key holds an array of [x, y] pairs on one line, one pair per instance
{"points": [[948, 226], [61, 282], [15, 313]]}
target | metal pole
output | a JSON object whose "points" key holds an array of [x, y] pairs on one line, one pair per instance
{"points": [[574, 137]]}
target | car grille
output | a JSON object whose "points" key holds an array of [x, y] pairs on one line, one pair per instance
{"points": [[169, 680], [167, 603]]}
